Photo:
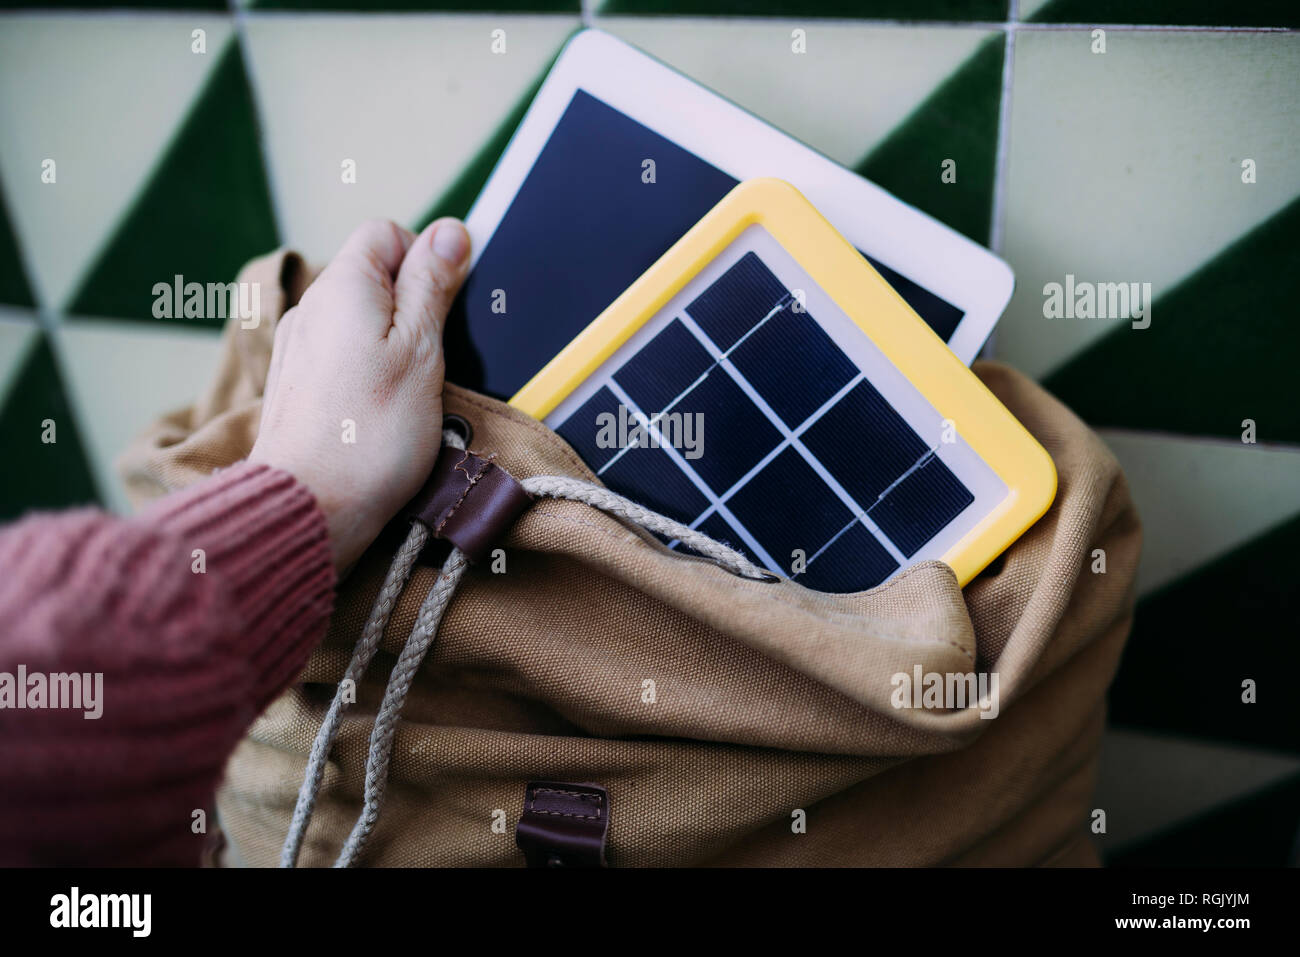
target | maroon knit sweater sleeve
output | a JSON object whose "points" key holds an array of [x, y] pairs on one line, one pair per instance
{"points": [[196, 613]]}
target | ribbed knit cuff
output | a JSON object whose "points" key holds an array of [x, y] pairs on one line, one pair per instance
{"points": [[261, 528]]}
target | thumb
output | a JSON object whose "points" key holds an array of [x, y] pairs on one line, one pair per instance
{"points": [[430, 276]]}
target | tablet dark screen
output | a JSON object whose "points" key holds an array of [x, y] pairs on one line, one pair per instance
{"points": [[583, 226]]}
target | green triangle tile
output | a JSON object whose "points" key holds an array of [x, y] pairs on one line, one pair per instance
{"points": [[14, 290], [38, 474], [457, 6], [981, 10], [1195, 640], [205, 211], [1206, 13], [958, 121], [1221, 348], [457, 198], [20, 330]]}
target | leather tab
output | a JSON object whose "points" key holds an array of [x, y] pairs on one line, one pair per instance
{"points": [[563, 825], [469, 501]]}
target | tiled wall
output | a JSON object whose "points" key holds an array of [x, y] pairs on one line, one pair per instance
{"points": [[1117, 166]]}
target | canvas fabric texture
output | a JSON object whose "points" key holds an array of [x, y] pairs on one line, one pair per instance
{"points": [[768, 699]]}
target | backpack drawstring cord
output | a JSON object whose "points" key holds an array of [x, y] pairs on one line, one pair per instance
{"points": [[421, 639]]}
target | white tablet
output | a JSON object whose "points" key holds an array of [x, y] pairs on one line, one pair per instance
{"points": [[616, 159]]}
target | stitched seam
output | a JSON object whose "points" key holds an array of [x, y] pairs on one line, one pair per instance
{"points": [[534, 426], [473, 480], [580, 795], [460, 466]]}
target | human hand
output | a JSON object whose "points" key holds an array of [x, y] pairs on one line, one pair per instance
{"points": [[353, 399]]}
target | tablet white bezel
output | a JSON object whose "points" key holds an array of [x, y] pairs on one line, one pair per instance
{"points": [[902, 237]]}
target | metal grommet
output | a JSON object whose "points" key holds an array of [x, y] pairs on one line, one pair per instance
{"points": [[460, 426]]}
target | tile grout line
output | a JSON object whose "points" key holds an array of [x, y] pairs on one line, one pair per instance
{"points": [[46, 313], [1144, 27], [239, 16], [979, 25], [1189, 438], [48, 324], [258, 13], [1002, 153], [94, 468], [51, 314]]}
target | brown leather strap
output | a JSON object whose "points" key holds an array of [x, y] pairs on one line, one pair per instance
{"points": [[469, 501], [563, 825]]}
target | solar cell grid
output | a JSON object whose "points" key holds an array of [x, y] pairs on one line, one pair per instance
{"points": [[846, 482], [793, 364], [665, 368]]}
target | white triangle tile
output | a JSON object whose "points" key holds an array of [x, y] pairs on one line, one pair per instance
{"points": [[1126, 166], [1026, 9], [101, 95], [1148, 782], [1199, 498], [851, 88], [18, 333], [410, 98], [121, 376]]}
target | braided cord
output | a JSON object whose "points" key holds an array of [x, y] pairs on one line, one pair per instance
{"points": [[425, 630]]}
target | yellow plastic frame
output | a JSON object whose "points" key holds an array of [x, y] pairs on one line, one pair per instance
{"points": [[839, 269]]}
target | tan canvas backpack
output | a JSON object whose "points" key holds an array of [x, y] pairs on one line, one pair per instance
{"points": [[666, 709]]}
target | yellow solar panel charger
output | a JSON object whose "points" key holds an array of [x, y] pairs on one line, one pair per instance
{"points": [[763, 383]]}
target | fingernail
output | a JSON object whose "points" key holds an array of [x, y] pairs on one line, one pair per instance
{"points": [[451, 242]]}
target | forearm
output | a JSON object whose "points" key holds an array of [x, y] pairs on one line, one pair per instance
{"points": [[196, 614]]}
